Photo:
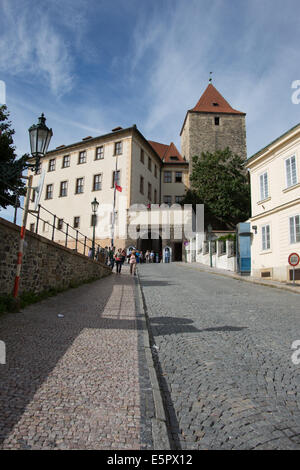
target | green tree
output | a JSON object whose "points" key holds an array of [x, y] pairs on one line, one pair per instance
{"points": [[11, 168], [219, 181]]}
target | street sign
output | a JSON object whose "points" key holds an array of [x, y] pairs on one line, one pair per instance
{"points": [[294, 259]]}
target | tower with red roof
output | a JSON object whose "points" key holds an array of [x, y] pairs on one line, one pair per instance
{"points": [[213, 125]]}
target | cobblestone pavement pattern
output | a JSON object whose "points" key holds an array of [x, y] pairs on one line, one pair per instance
{"points": [[77, 382], [225, 357]]}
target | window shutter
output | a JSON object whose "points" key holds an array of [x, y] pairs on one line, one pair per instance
{"points": [[293, 170], [292, 230], [288, 172]]}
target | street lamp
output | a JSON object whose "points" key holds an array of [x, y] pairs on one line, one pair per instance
{"points": [[95, 205], [40, 136], [209, 229]]}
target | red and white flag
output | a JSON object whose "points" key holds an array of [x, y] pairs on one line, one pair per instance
{"points": [[118, 188]]}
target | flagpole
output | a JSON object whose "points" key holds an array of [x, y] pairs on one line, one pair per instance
{"points": [[113, 214]]}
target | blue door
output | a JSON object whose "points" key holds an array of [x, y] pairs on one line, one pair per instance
{"points": [[244, 248]]}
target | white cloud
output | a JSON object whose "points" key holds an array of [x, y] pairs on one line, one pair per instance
{"points": [[252, 48], [32, 45]]}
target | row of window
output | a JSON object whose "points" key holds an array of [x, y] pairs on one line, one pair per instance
{"points": [[142, 159], [294, 224], [169, 200], [168, 176], [82, 157], [79, 185], [60, 224], [290, 174], [149, 195]]}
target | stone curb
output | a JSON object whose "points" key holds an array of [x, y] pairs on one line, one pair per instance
{"points": [[240, 278], [159, 423]]}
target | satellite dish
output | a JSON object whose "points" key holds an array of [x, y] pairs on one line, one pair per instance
{"points": [[39, 189]]}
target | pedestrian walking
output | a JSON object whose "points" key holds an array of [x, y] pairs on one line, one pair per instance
{"points": [[167, 255], [118, 260], [152, 256], [132, 263], [111, 257], [123, 257], [90, 254], [147, 256], [106, 254]]}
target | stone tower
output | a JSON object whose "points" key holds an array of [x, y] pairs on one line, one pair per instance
{"points": [[213, 125]]}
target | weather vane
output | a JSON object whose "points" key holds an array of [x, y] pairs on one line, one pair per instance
{"points": [[210, 77]]}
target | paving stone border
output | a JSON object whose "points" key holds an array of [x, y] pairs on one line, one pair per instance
{"points": [[160, 434]]}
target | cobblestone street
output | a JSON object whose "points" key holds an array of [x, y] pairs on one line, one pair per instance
{"points": [[80, 381], [225, 358]]}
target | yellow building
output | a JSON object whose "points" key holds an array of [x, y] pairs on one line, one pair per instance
{"points": [[275, 198], [145, 172]]}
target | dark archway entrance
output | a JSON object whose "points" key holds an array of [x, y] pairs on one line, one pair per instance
{"points": [[178, 251], [144, 244]]}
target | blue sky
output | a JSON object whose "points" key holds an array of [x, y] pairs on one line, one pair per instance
{"points": [[92, 65]]}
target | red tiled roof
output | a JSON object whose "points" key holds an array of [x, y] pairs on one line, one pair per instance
{"points": [[167, 151], [159, 148], [172, 152], [213, 102]]}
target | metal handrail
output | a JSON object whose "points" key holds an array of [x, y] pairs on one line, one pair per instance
{"points": [[88, 242]]}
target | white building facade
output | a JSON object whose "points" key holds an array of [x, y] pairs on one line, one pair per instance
{"points": [[275, 198]]}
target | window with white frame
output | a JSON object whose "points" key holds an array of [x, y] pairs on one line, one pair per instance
{"points": [[295, 229], [79, 186], [118, 148], [265, 237], [82, 157], [264, 186], [66, 161], [99, 153], [291, 171], [97, 182], [115, 178], [63, 189], [167, 177], [49, 191], [60, 224], [51, 165], [178, 177], [76, 222]]}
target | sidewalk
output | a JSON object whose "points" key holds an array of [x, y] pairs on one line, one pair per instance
{"points": [[80, 381], [254, 280]]}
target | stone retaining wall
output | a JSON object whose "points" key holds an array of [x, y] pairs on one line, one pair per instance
{"points": [[45, 263]]}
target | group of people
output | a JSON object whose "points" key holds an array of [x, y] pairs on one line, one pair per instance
{"points": [[112, 257], [148, 256], [117, 257]]}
